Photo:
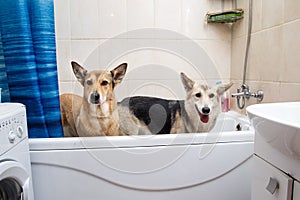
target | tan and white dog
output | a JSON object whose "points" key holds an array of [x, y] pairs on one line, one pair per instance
{"points": [[96, 113], [150, 115]]}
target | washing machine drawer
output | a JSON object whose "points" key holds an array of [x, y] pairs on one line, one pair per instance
{"points": [[269, 182]]}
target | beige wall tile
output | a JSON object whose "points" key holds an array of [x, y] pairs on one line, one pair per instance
{"points": [[272, 13], [265, 55], [238, 47], [291, 10], [270, 89], [257, 15], [239, 28], [62, 19], [289, 92], [220, 53], [85, 52], [63, 59], [112, 18], [168, 14], [290, 70], [84, 18], [140, 14]]}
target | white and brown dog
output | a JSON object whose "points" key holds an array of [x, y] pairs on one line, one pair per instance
{"points": [[96, 113], [150, 115]]}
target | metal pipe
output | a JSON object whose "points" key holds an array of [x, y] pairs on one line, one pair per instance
{"points": [[244, 87], [244, 92], [248, 41]]}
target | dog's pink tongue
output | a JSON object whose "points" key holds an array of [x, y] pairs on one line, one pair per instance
{"points": [[204, 118]]}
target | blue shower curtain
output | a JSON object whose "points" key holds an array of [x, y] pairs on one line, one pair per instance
{"points": [[28, 71]]}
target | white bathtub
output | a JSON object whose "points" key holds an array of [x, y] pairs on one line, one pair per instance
{"points": [[208, 166]]}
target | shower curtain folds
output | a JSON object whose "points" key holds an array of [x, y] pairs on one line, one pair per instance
{"points": [[28, 43]]}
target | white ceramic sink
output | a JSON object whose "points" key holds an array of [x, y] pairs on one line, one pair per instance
{"points": [[287, 114], [277, 135]]}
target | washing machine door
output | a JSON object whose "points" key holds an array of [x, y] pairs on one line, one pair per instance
{"points": [[14, 181]]}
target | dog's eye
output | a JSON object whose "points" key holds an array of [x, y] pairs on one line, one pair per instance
{"points": [[89, 82], [198, 95], [211, 95], [104, 83]]}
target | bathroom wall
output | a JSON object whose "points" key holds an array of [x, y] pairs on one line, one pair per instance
{"points": [[274, 55], [273, 63], [93, 33]]}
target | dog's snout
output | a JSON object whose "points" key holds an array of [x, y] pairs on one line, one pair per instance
{"points": [[94, 97], [205, 110]]}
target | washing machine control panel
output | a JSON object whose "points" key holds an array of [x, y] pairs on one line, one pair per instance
{"points": [[13, 127]]}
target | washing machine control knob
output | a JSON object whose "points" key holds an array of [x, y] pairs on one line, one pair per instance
{"points": [[20, 131], [11, 136]]}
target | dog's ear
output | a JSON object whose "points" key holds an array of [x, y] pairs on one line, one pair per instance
{"points": [[79, 72], [187, 82], [223, 88], [118, 73]]}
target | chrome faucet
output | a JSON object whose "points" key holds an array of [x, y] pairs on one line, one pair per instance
{"points": [[244, 92]]}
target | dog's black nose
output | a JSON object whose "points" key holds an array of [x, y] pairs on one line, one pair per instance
{"points": [[94, 97], [205, 110]]}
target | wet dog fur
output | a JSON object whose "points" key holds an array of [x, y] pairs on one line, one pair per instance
{"points": [[96, 113], [150, 115]]}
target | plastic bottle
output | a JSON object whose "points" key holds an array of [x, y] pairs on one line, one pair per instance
{"points": [[225, 102]]}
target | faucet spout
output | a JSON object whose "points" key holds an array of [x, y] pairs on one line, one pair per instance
{"points": [[239, 94], [244, 92]]}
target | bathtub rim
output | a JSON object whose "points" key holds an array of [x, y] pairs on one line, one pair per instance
{"points": [[102, 142]]}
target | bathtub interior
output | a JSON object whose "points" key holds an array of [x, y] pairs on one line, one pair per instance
{"points": [[231, 121], [174, 166]]}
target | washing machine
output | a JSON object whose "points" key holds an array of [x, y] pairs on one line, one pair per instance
{"points": [[15, 169]]}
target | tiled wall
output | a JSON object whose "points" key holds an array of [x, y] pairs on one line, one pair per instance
{"points": [[274, 56], [93, 33]]}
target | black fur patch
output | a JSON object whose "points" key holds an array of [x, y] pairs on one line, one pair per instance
{"points": [[158, 114], [112, 79]]}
